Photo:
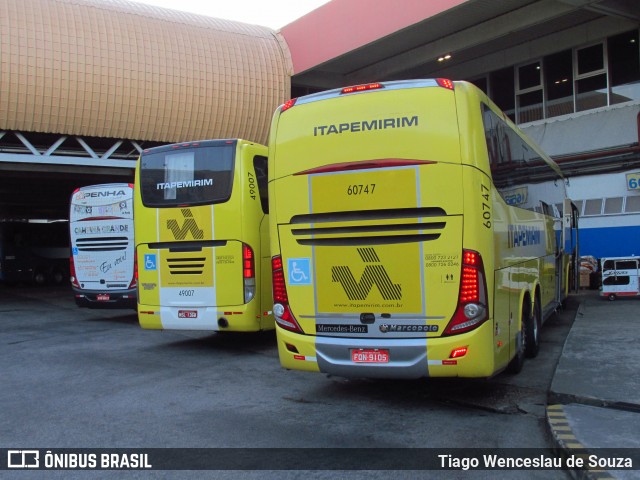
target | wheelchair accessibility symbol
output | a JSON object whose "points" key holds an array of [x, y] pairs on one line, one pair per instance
{"points": [[299, 271], [150, 262]]}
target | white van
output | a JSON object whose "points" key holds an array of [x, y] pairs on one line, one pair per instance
{"points": [[620, 277]]}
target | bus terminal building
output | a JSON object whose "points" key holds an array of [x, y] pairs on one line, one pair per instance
{"points": [[88, 84]]}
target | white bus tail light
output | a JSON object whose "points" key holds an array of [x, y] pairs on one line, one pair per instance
{"points": [[248, 272], [281, 309], [134, 280], [472, 298], [72, 271]]}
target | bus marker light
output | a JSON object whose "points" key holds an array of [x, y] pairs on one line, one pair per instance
{"points": [[458, 352], [445, 83], [288, 104], [361, 88]]}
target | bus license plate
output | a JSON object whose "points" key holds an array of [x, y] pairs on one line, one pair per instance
{"points": [[187, 314], [103, 297], [370, 356]]}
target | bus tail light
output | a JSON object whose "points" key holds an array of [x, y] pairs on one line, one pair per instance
{"points": [[472, 299], [72, 271], [134, 280], [248, 272], [281, 309]]}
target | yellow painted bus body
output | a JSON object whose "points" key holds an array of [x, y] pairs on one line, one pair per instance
{"points": [[191, 256], [376, 197]]}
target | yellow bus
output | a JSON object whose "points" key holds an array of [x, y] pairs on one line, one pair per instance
{"points": [[202, 237], [415, 233]]}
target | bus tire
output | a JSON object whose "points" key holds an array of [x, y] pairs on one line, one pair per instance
{"points": [[612, 297], [517, 362], [57, 276], [532, 331], [39, 277]]}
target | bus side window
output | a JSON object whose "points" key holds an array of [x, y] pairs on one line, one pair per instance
{"points": [[260, 167], [617, 280], [626, 265]]}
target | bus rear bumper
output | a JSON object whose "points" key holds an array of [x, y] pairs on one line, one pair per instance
{"points": [[109, 299], [405, 358], [237, 318]]}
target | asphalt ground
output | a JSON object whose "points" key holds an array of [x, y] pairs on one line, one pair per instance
{"points": [[594, 399]]}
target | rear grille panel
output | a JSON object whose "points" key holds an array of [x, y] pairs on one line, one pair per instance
{"points": [[186, 266], [355, 234], [102, 244]]}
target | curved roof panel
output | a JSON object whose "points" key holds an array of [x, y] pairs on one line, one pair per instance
{"points": [[113, 68]]}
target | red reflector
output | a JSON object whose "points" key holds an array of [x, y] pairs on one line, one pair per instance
{"points": [[361, 88], [291, 348], [449, 362], [288, 104], [445, 83], [298, 357], [458, 352]]}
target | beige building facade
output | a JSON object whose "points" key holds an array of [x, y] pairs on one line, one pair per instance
{"points": [[117, 69]]}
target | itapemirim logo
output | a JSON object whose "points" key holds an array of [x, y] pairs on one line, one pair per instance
{"points": [[189, 226], [374, 274]]}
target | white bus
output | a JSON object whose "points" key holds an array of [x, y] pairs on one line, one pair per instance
{"points": [[102, 247], [620, 277]]}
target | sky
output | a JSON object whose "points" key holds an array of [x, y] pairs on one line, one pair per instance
{"points": [[268, 13]]}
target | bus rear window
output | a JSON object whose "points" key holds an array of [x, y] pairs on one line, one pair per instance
{"points": [[189, 176]]}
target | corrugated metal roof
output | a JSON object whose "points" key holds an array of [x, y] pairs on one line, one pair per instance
{"points": [[112, 68]]}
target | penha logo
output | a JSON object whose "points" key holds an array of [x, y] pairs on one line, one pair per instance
{"points": [[372, 275], [189, 226]]}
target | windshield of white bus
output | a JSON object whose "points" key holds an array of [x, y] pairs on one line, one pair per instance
{"points": [[187, 176]]}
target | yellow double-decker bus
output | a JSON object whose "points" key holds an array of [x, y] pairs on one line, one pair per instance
{"points": [[415, 232], [202, 237]]}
